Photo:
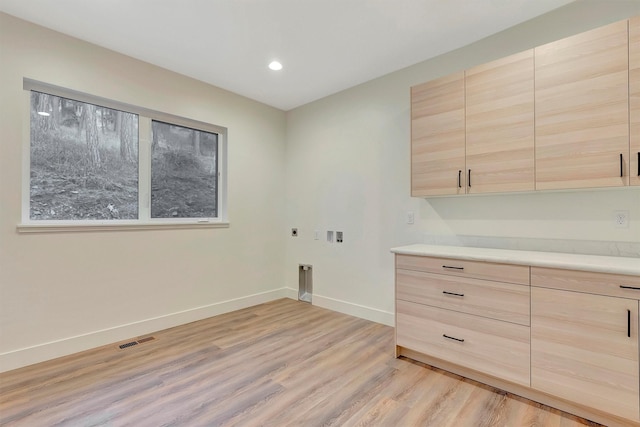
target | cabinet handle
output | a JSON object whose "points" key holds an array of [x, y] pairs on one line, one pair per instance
{"points": [[630, 287], [629, 323], [469, 179], [452, 294], [621, 166], [452, 268], [638, 163], [460, 177], [452, 338]]}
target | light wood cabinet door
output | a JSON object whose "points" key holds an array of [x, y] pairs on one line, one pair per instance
{"points": [[499, 125], [584, 348], [582, 110], [437, 137], [634, 99]]}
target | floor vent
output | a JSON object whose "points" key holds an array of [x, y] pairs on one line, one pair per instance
{"points": [[129, 344], [132, 343]]}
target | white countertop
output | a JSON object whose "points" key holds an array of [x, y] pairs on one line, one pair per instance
{"points": [[596, 263]]}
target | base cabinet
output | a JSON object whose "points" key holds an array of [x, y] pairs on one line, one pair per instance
{"points": [[566, 338], [584, 348], [470, 313]]}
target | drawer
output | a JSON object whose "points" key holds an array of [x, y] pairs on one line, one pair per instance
{"points": [[615, 285], [496, 300], [490, 346], [464, 268]]}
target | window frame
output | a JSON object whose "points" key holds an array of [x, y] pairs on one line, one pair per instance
{"points": [[144, 221]]}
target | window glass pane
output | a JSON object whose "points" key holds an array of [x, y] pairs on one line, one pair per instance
{"points": [[84, 161], [184, 172]]}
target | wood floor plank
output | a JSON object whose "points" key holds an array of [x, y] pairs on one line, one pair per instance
{"points": [[283, 363]]}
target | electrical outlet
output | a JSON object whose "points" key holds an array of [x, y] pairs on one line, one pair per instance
{"points": [[410, 218], [621, 219], [338, 236]]}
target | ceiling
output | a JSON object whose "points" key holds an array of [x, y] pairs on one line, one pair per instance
{"points": [[325, 45]]}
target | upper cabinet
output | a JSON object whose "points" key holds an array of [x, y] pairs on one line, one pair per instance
{"points": [[634, 99], [473, 132], [582, 110], [499, 125], [437, 137], [564, 115]]}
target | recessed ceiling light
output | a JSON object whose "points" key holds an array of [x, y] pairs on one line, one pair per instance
{"points": [[44, 113], [275, 66]]}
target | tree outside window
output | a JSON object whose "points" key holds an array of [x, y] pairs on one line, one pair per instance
{"points": [[84, 161], [184, 175]]}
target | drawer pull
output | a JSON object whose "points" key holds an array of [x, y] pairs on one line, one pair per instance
{"points": [[452, 268], [452, 338], [629, 323], [452, 294], [621, 166], [630, 287]]}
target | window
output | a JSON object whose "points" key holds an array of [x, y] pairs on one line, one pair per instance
{"points": [[83, 161], [95, 163], [183, 172]]}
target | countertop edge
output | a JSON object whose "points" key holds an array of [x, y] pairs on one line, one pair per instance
{"points": [[593, 263]]}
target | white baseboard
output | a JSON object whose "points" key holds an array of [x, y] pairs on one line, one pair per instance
{"points": [[51, 350], [39, 353], [291, 293], [357, 310]]}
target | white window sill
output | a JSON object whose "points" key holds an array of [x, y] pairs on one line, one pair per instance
{"points": [[105, 226]]}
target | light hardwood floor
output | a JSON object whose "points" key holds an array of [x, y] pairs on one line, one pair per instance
{"points": [[284, 363]]}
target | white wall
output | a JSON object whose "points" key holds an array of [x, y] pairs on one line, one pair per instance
{"points": [[61, 293], [347, 163]]}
